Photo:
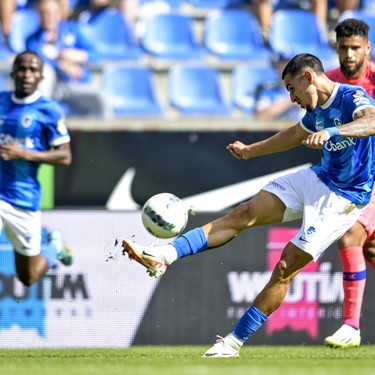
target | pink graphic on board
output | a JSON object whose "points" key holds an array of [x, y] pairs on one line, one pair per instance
{"points": [[301, 315]]}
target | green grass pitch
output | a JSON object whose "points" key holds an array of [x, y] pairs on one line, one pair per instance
{"points": [[186, 360]]}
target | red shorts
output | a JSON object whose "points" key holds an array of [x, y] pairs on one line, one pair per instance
{"points": [[367, 219]]}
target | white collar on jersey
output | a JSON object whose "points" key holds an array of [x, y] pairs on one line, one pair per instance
{"points": [[27, 99], [332, 97]]}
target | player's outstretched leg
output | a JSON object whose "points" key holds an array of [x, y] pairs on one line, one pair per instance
{"points": [[147, 256], [156, 259], [264, 208]]}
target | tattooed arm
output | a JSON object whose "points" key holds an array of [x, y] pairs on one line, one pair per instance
{"points": [[362, 126]]}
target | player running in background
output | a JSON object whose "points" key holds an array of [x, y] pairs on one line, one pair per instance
{"points": [[358, 244], [329, 197], [32, 131]]}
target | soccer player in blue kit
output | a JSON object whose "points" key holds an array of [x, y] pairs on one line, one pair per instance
{"points": [[329, 196], [32, 131]]}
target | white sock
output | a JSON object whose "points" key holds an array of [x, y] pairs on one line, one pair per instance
{"points": [[168, 254], [234, 341]]}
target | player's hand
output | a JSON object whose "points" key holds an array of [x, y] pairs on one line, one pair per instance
{"points": [[316, 140], [238, 150], [11, 151]]}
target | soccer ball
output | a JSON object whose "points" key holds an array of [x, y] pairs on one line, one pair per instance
{"points": [[164, 215]]}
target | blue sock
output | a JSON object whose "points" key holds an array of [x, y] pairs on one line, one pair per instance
{"points": [[249, 323], [50, 253], [190, 243]]}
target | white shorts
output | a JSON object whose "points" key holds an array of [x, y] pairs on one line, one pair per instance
{"points": [[325, 215], [22, 228]]}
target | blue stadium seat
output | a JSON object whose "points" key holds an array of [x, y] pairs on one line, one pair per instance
{"points": [[295, 31], [5, 52], [196, 90], [112, 36], [129, 90], [171, 36], [366, 5], [216, 4], [172, 3], [246, 79], [235, 34], [5, 82], [24, 22], [367, 16]]}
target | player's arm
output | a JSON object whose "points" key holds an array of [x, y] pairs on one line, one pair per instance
{"points": [[281, 141], [362, 126], [59, 155]]}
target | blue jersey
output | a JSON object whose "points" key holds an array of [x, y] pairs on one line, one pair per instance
{"points": [[347, 165], [35, 123]]}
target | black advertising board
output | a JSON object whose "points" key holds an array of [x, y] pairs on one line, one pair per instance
{"points": [[185, 163]]}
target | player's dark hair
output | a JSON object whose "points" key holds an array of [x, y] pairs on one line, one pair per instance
{"points": [[301, 61], [352, 27], [27, 52]]}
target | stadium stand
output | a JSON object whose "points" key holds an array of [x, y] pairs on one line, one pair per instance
{"points": [[172, 36], [196, 90], [296, 31], [216, 35], [246, 80], [235, 35], [175, 4], [112, 36], [216, 4], [129, 91], [5, 52], [24, 22]]}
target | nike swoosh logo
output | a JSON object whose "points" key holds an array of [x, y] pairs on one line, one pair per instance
{"points": [[303, 239], [211, 201], [121, 196]]}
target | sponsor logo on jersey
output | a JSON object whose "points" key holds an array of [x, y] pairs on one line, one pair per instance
{"points": [[337, 146], [277, 186], [8, 138]]}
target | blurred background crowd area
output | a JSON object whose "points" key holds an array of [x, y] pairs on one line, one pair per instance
{"points": [[172, 58]]}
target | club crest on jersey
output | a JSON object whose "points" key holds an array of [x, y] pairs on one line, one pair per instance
{"points": [[310, 231], [26, 121]]}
